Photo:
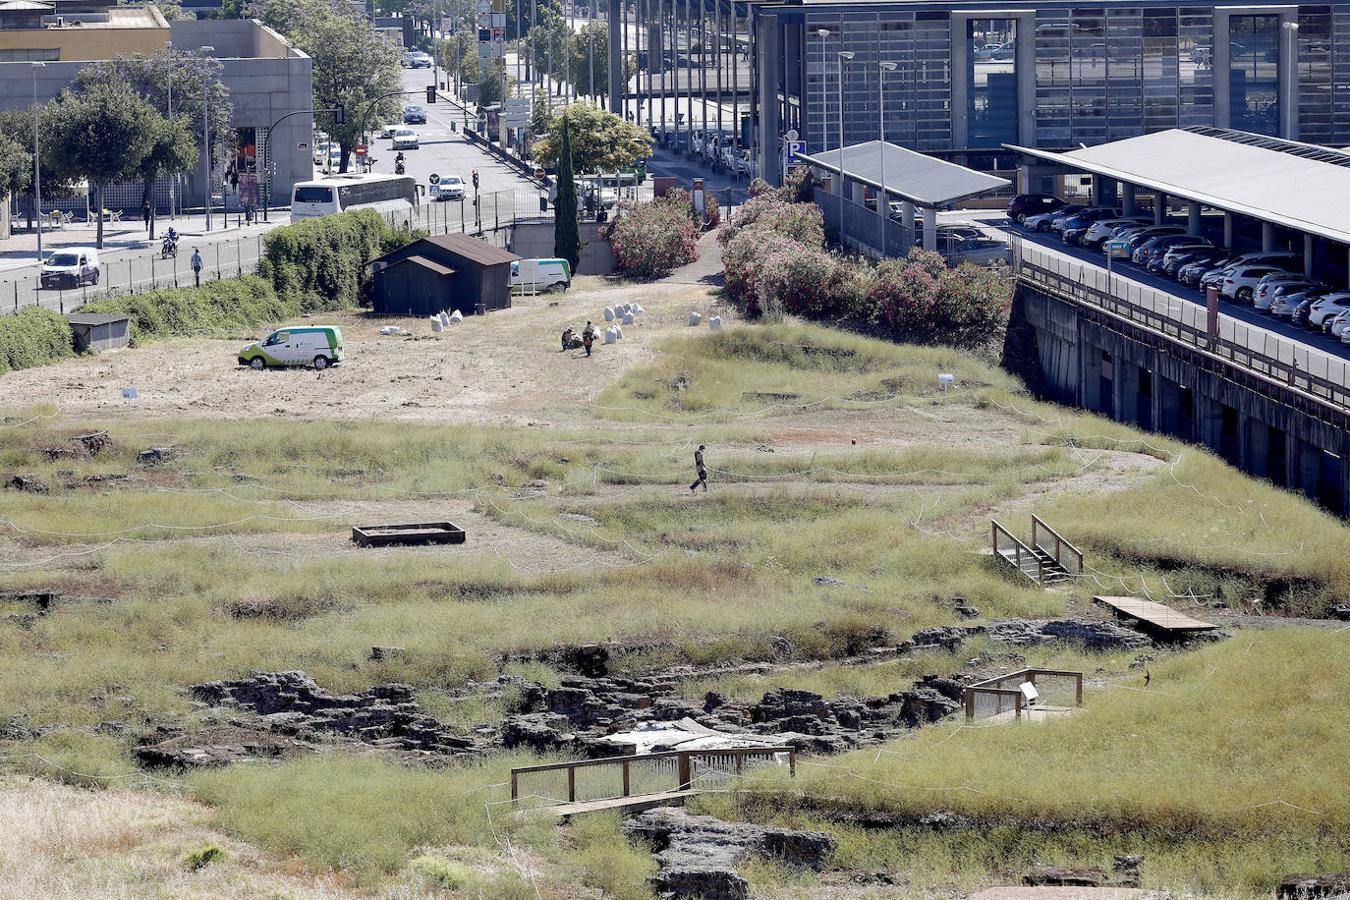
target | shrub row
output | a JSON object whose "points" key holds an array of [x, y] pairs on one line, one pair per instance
{"points": [[652, 239], [231, 304], [33, 337], [322, 260], [775, 261]]}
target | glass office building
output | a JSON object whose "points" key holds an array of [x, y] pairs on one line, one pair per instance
{"points": [[972, 77]]}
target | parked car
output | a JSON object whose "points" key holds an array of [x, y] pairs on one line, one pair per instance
{"points": [[1177, 257], [1285, 305], [1239, 283], [1336, 325], [1143, 253], [405, 139], [414, 115], [1102, 229], [1157, 254], [1137, 238], [1277, 260], [319, 346], [1024, 205], [1292, 292], [1043, 221], [1082, 219], [70, 267], [1265, 289], [981, 251], [1326, 306], [451, 187], [541, 274]]}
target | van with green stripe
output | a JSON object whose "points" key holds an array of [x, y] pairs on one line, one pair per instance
{"points": [[319, 346]]}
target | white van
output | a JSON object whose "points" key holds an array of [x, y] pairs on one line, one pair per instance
{"points": [[70, 267], [311, 345], [533, 275]]}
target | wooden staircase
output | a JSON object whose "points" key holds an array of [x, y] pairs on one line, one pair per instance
{"points": [[1048, 560]]}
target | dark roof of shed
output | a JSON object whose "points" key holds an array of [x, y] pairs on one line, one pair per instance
{"points": [[476, 249], [921, 179], [424, 263], [95, 318]]}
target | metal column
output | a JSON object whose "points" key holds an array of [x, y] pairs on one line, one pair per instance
{"points": [[616, 55]]}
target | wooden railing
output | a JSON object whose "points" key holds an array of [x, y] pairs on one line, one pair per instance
{"points": [[991, 687], [685, 763], [1065, 554], [1011, 548]]}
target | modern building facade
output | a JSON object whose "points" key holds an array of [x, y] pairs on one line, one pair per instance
{"points": [[266, 77], [969, 77]]}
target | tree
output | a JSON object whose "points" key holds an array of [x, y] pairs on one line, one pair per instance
{"points": [[600, 141], [566, 231], [353, 65], [591, 45], [103, 134], [16, 153], [186, 78]]}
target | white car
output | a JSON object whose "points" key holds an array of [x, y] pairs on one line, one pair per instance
{"points": [[1240, 283], [1041, 221], [1326, 306], [1336, 326], [451, 187], [387, 131], [1266, 288], [417, 59], [405, 139], [1285, 305], [70, 267], [1103, 229]]}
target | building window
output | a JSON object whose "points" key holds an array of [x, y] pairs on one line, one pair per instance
{"points": [[30, 55], [1254, 73], [991, 72]]}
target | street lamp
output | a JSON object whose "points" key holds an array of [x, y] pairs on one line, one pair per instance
{"points": [[844, 56], [37, 159], [168, 52], [1290, 102], [883, 198], [206, 137]]}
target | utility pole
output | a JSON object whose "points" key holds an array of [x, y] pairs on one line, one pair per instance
{"points": [[37, 160], [206, 136]]}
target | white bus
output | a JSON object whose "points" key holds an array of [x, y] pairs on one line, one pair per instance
{"points": [[340, 193]]}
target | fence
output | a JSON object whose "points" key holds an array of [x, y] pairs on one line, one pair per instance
{"points": [[1281, 359], [862, 225], [1002, 695], [1011, 548], [614, 777]]}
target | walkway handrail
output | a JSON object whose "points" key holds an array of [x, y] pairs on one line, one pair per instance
{"points": [[1020, 551], [1187, 325], [1060, 547], [683, 758]]}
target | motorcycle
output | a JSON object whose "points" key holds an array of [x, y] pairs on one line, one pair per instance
{"points": [[398, 168], [168, 248]]}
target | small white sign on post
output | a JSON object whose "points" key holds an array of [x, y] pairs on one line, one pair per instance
{"points": [[130, 393], [946, 380]]}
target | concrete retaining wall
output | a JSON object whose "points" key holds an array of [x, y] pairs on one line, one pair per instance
{"points": [[1082, 357], [533, 240]]}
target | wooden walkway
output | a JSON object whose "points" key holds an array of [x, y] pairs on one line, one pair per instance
{"points": [[1155, 616], [633, 804]]}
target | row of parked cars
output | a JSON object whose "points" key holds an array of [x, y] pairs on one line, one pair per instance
{"points": [[1271, 281]]}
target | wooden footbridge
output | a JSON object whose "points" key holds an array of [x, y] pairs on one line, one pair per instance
{"points": [[638, 782], [1154, 618]]}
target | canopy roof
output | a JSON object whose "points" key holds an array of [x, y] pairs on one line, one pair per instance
{"points": [[921, 179]]}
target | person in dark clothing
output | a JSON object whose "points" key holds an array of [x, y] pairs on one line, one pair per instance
{"points": [[588, 337], [701, 470], [145, 214]]}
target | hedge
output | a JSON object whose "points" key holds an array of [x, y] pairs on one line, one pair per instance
{"points": [[230, 304], [33, 337], [652, 239], [322, 260]]}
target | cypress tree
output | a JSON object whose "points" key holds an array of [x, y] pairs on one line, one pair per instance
{"points": [[566, 231]]}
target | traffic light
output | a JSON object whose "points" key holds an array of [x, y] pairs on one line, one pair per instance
{"points": [[431, 93], [475, 179], [339, 114]]}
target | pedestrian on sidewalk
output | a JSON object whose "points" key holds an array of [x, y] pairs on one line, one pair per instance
{"points": [[197, 266], [701, 470], [145, 215]]}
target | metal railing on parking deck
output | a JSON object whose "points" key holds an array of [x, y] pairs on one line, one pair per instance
{"points": [[860, 224], [1316, 373]]}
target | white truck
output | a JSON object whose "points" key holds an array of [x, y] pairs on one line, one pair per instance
{"points": [[532, 276]]}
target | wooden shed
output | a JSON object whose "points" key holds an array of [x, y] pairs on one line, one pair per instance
{"points": [[443, 273], [99, 331]]}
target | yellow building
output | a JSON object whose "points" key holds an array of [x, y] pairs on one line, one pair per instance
{"points": [[31, 30]]}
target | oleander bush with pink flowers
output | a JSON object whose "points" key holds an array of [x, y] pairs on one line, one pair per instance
{"points": [[652, 239]]}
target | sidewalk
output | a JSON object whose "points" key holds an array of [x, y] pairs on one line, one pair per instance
{"points": [[128, 238]]}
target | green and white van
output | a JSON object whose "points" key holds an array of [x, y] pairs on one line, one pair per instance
{"points": [[319, 346]]}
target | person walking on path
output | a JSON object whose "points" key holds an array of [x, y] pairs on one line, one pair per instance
{"points": [[701, 470], [145, 215], [197, 266]]}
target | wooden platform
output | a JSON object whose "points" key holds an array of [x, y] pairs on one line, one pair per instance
{"points": [[1154, 616], [409, 535], [635, 803]]}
